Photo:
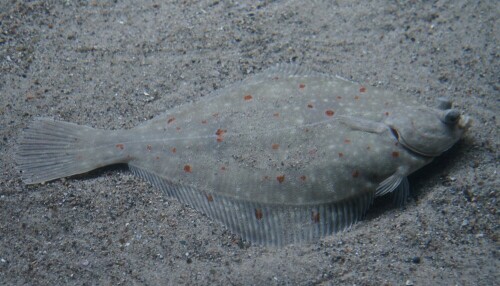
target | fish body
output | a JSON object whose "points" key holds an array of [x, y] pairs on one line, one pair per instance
{"points": [[286, 156]]}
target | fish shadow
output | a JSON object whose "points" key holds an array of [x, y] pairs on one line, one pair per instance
{"points": [[106, 171]]}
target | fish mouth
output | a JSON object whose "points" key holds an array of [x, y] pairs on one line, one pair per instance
{"points": [[465, 122]]}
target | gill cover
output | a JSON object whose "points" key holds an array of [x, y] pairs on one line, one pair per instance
{"points": [[428, 131]]}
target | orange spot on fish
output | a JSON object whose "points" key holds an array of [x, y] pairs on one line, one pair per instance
{"points": [[386, 113], [329, 112], [210, 198], [173, 150], [149, 147], [188, 169], [303, 177], [258, 214], [120, 146], [315, 216], [395, 154], [170, 120], [339, 97], [362, 89], [280, 178], [219, 134], [347, 141], [247, 97], [302, 86], [276, 114], [310, 105], [355, 174], [223, 168], [275, 146]]}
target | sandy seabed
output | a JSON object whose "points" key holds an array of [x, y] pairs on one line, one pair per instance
{"points": [[115, 64]]}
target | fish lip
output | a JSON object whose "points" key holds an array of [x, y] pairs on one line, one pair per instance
{"points": [[465, 122]]}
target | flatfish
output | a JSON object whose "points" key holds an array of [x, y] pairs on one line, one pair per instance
{"points": [[286, 156]]}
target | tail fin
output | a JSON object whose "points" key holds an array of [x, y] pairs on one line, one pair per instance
{"points": [[51, 149]]}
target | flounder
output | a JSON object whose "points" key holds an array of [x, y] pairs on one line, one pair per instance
{"points": [[285, 156]]}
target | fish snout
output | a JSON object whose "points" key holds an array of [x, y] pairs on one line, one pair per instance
{"points": [[465, 122]]}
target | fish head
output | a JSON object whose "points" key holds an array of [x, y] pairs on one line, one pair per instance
{"points": [[428, 131]]}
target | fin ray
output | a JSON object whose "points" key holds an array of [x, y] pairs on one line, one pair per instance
{"points": [[265, 224], [401, 194], [50, 149], [388, 185]]}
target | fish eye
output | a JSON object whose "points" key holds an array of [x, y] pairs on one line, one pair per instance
{"points": [[451, 116]]}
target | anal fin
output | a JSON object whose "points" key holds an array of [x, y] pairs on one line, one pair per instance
{"points": [[266, 223]]}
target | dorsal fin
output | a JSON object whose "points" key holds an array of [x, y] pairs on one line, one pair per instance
{"points": [[289, 70], [293, 70]]}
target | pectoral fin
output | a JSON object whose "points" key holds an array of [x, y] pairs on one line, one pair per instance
{"points": [[401, 193], [363, 124], [398, 186], [389, 185]]}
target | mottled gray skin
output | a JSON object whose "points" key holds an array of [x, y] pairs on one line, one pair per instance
{"points": [[286, 137], [284, 129]]}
